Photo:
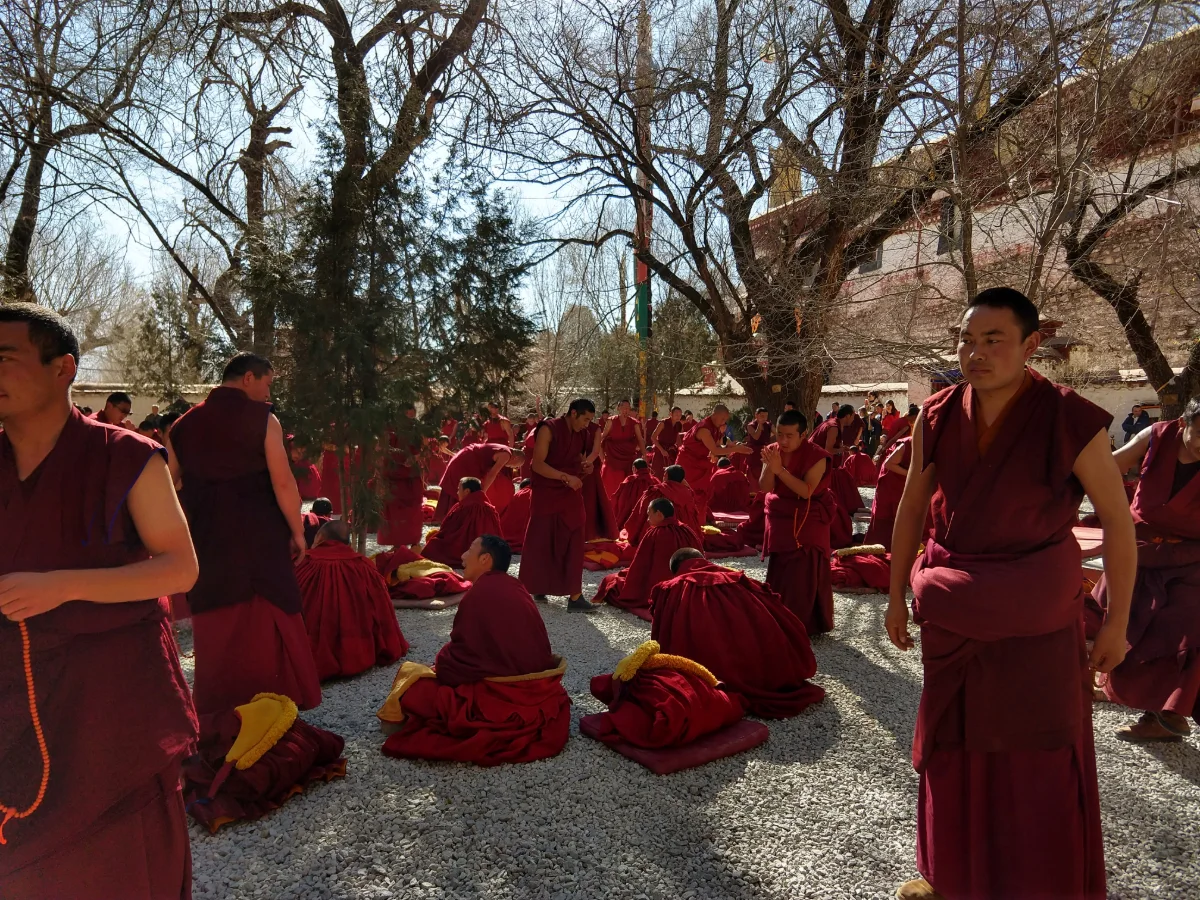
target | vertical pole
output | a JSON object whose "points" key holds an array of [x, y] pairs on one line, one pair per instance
{"points": [[644, 210]]}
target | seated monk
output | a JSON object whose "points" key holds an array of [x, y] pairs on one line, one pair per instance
{"points": [[630, 491], [675, 489], [1161, 672], [439, 457], [320, 513], [515, 518], [753, 531], [347, 609], [494, 694], [470, 517], [740, 631], [630, 588], [731, 488], [888, 490]]}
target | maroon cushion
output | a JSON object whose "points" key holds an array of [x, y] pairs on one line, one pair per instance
{"points": [[743, 735]]}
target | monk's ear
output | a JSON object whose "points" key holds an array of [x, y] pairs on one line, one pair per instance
{"points": [[1032, 343]]}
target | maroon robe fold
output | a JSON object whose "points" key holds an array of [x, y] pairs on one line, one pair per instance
{"points": [[473, 461], [741, 632], [681, 498], [669, 439], [851, 432], [752, 532], [861, 571], [1008, 803], [435, 464], [312, 524], [620, 450], [515, 519], [797, 540], [660, 708], [888, 490], [599, 521], [247, 630], [732, 491], [331, 480], [471, 517], [630, 491], [308, 481], [1162, 669], [861, 468], [552, 555], [630, 588], [494, 432], [348, 612], [527, 448], [111, 696], [757, 444], [402, 513], [698, 467]]}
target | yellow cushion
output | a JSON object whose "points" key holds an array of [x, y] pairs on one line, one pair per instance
{"points": [[265, 719]]}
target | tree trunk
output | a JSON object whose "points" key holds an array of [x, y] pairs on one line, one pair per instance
{"points": [[17, 287]]}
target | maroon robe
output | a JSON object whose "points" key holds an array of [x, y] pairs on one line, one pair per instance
{"points": [[797, 539], [630, 492], [888, 490], [348, 612], [527, 448], [841, 484], [752, 532], [312, 524], [1162, 669], [862, 468], [450, 430], [247, 629], [754, 461], [473, 461], [402, 513], [493, 430], [1008, 803], [630, 588], [698, 468], [469, 518], [552, 555], [515, 519], [681, 498], [850, 433], [111, 696], [308, 480], [741, 632], [669, 439], [620, 450], [661, 708], [436, 463], [599, 521], [331, 479], [732, 491]]}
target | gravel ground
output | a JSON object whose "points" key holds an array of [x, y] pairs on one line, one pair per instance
{"points": [[824, 809]]}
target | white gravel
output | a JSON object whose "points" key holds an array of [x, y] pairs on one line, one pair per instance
{"points": [[824, 809]]}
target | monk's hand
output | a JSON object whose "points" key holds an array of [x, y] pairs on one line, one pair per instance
{"points": [[1110, 646], [771, 459], [299, 548], [896, 623], [588, 468], [573, 483], [27, 594]]}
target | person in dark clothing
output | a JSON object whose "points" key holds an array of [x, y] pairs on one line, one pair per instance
{"points": [[1137, 421]]}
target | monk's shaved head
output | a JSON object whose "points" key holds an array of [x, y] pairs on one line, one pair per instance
{"points": [[674, 473], [663, 507], [724, 463], [48, 331], [338, 532], [322, 507], [1013, 300], [639, 463], [246, 364], [681, 555], [470, 484]]}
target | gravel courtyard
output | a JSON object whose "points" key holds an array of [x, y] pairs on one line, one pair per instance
{"points": [[824, 809]]}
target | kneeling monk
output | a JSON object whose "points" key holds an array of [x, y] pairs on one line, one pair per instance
{"points": [[630, 588], [494, 694], [1161, 674], [740, 631], [515, 519], [1008, 804], [673, 488], [470, 517], [347, 608], [89, 529], [731, 488], [631, 490]]}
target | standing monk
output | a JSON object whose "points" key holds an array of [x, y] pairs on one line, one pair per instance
{"points": [[665, 439], [483, 461], [599, 520], [244, 511], [402, 518], [116, 410], [91, 539], [623, 442], [496, 428], [699, 450], [552, 557], [759, 434], [799, 508], [1161, 674], [1008, 804]]}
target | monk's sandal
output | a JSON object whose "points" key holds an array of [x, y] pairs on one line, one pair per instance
{"points": [[917, 889], [581, 604], [1152, 728], [541, 598]]}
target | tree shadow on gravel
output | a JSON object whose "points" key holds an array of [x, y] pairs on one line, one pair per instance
{"points": [[1182, 758]]}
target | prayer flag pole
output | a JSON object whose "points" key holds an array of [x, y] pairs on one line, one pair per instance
{"points": [[645, 213]]}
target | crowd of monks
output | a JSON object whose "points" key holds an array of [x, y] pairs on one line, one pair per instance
{"points": [[105, 749]]}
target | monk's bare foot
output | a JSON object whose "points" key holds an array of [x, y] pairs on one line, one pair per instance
{"points": [[1149, 728], [579, 604], [917, 889]]}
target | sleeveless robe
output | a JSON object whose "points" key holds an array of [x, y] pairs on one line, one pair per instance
{"points": [[472, 461], [758, 444], [515, 519], [402, 516], [308, 480], [493, 430], [1162, 669], [888, 490], [599, 521], [620, 450], [111, 696], [246, 610], [670, 442], [797, 541], [552, 555], [1008, 803]]}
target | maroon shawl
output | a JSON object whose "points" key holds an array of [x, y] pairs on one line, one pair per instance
{"points": [[468, 519], [472, 461]]}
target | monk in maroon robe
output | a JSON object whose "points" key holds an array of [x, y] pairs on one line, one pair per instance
{"points": [[630, 588], [1161, 673], [599, 520], [675, 489], [552, 557], [740, 631], [307, 475], [623, 442], [1008, 803], [515, 518], [759, 435], [320, 513], [244, 511], [402, 513], [347, 609], [753, 532], [699, 450], [828, 436], [92, 540], [527, 449], [331, 477], [470, 517], [888, 490], [631, 490], [665, 441], [799, 508], [731, 489], [438, 459], [486, 462], [450, 432], [900, 427], [496, 428], [495, 692]]}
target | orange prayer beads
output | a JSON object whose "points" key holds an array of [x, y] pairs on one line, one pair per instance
{"points": [[8, 811]]}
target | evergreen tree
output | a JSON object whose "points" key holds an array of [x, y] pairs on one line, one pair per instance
{"points": [[174, 344]]}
